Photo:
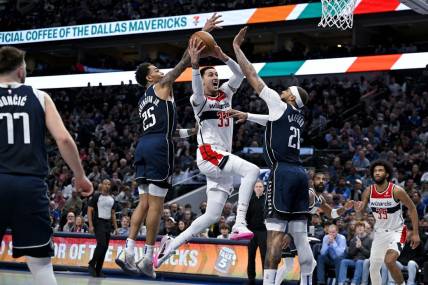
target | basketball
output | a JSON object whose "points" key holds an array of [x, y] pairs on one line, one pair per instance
{"points": [[208, 40]]}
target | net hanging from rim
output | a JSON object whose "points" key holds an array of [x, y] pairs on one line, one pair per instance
{"points": [[339, 13]]}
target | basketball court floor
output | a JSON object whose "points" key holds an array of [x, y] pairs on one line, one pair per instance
{"points": [[19, 277]]}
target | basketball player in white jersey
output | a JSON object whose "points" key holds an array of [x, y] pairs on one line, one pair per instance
{"points": [[385, 200], [214, 158]]}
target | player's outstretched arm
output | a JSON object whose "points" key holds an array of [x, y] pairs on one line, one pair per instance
{"points": [[361, 206], [401, 195], [336, 213], [244, 116], [247, 68], [167, 81], [67, 146], [237, 77], [195, 48]]}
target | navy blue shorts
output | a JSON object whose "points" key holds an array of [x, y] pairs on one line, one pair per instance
{"points": [[154, 160], [24, 208], [288, 193]]}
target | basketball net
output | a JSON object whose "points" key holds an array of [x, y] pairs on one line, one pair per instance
{"points": [[339, 13]]}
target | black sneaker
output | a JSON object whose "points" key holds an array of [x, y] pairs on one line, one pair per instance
{"points": [[92, 271], [101, 275]]}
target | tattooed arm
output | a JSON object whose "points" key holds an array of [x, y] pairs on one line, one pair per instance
{"points": [[247, 68]]}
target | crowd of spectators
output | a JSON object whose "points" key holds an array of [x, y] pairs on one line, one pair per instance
{"points": [[19, 15], [351, 121]]}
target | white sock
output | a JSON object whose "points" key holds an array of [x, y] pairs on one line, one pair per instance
{"points": [[306, 279], [269, 276], [148, 252], [42, 270], [215, 203], [129, 246], [249, 173]]}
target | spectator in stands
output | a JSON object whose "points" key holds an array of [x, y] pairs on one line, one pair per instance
{"points": [[166, 214], [170, 227], [225, 231], [188, 207], [420, 205], [68, 190], [203, 207], [71, 220], [124, 226], [187, 216], [181, 227], [358, 251], [360, 162], [79, 226], [73, 204], [342, 188], [409, 259], [357, 190], [173, 207], [332, 252], [318, 229]]}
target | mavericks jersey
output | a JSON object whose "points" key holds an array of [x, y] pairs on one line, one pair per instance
{"points": [[283, 137], [215, 127], [158, 116], [386, 210], [22, 130]]}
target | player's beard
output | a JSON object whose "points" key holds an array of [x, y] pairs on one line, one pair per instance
{"points": [[319, 188], [380, 180]]}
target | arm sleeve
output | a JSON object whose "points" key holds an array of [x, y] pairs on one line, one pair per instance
{"points": [[237, 77], [274, 103], [259, 119], [197, 87]]}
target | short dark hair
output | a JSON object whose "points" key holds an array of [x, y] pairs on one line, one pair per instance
{"points": [[142, 72], [224, 226], [385, 164], [10, 59], [303, 95], [188, 206], [204, 69]]}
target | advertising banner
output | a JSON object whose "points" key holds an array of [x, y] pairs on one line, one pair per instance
{"points": [[229, 260], [184, 22]]}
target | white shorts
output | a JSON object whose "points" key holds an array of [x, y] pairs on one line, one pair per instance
{"points": [[211, 162], [385, 240]]}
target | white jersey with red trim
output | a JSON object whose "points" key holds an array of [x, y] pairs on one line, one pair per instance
{"points": [[215, 127], [386, 210]]}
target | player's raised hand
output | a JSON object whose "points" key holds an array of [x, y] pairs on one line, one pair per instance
{"points": [[240, 37], [84, 186], [241, 116], [212, 23], [196, 46], [415, 240], [218, 53]]}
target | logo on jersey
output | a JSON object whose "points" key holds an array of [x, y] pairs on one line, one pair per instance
{"points": [[225, 260]]}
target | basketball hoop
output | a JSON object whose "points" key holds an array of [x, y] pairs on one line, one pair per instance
{"points": [[339, 13]]}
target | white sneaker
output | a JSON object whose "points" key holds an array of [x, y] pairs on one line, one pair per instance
{"points": [[240, 232], [145, 266], [164, 252], [127, 263]]}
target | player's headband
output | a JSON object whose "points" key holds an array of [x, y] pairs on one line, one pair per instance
{"points": [[296, 94]]}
